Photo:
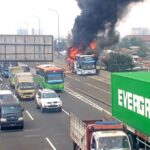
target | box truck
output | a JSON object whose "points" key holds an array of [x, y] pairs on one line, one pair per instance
{"points": [[12, 71], [24, 85], [98, 135]]}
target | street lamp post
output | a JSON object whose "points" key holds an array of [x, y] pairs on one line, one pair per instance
{"points": [[58, 29], [38, 23]]}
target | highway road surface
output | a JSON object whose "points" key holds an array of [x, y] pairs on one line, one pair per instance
{"points": [[86, 97]]}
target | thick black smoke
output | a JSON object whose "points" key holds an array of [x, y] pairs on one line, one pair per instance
{"points": [[97, 16]]}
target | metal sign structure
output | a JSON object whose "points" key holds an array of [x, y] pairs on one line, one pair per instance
{"points": [[26, 48]]}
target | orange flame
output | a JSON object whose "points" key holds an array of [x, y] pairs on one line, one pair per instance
{"points": [[72, 53], [93, 45]]}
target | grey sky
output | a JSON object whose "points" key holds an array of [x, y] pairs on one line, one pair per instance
{"points": [[18, 14]]}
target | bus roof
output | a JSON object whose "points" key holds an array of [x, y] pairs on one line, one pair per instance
{"points": [[82, 56], [49, 67], [45, 66], [52, 69]]}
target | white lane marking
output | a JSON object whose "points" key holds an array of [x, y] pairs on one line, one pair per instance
{"points": [[82, 98], [98, 88], [29, 115], [7, 86], [50, 143], [65, 112], [77, 80], [98, 78], [72, 78]]}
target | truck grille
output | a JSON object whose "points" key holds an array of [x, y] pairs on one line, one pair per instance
{"points": [[27, 93], [12, 118]]}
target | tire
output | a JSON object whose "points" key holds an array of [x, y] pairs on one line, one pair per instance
{"points": [[21, 127], [132, 140], [37, 106], [60, 109], [42, 109], [2, 128]]}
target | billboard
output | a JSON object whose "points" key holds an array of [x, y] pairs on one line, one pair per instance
{"points": [[131, 99], [26, 48]]}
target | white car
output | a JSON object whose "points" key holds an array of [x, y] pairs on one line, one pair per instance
{"points": [[48, 99], [6, 95]]}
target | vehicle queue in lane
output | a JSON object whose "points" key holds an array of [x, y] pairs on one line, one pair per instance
{"points": [[26, 87], [30, 116], [74, 108]]}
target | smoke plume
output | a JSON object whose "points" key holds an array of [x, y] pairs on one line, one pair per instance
{"points": [[97, 16]]}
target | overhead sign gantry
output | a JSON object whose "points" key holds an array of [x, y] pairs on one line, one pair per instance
{"points": [[26, 48]]}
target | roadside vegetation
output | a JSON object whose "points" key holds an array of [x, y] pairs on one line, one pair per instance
{"points": [[117, 62]]}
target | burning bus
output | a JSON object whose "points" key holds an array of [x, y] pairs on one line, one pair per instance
{"points": [[83, 63]]}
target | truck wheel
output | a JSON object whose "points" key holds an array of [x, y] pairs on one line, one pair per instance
{"points": [[132, 140], [74, 146]]}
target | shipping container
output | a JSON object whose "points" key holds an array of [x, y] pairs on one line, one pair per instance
{"points": [[131, 102]]}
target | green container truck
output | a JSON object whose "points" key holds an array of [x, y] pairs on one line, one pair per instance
{"points": [[131, 105]]}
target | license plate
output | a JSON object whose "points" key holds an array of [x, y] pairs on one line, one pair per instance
{"points": [[12, 125], [52, 106]]}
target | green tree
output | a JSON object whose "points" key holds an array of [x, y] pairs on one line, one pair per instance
{"points": [[124, 43], [141, 53], [118, 62], [134, 41]]}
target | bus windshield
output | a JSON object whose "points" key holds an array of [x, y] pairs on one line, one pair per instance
{"points": [[88, 66], [55, 77]]}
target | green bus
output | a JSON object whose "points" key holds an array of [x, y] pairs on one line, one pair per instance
{"points": [[50, 76]]}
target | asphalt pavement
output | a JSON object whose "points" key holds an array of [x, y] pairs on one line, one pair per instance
{"points": [[86, 97]]}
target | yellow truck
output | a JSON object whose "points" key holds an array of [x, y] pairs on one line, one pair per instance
{"points": [[12, 71], [24, 85]]}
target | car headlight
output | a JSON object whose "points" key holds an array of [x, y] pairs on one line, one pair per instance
{"points": [[60, 103], [20, 118], [44, 104], [3, 120]]}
